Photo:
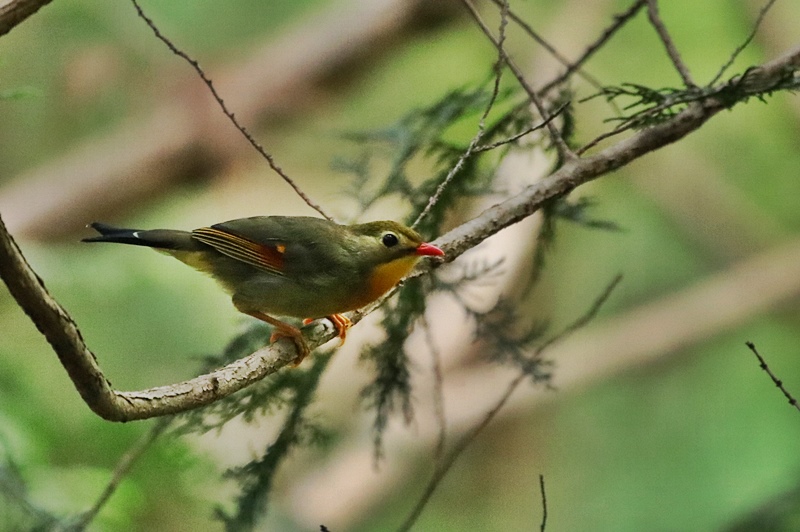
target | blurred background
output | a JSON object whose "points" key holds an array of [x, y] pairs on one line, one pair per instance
{"points": [[659, 417]]}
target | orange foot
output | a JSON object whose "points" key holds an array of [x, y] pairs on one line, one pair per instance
{"points": [[293, 333], [284, 330], [340, 322]]}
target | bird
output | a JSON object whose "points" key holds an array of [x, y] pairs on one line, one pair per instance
{"points": [[290, 266]]}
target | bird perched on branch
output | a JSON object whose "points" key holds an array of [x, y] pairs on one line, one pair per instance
{"points": [[291, 265]]}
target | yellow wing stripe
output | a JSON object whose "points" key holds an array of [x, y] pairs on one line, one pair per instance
{"points": [[269, 258]]}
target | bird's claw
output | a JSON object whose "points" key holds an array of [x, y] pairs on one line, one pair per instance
{"points": [[340, 323]]}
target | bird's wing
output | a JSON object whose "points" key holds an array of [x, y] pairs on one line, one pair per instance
{"points": [[266, 254]]}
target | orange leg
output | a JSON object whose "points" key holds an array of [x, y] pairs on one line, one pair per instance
{"points": [[284, 330], [340, 322]]}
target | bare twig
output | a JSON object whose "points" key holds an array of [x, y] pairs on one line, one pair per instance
{"points": [[761, 14], [571, 67], [253, 142], [498, 72], [123, 467], [672, 50], [544, 504], [444, 465], [564, 151], [619, 21], [775, 379], [513, 138], [15, 11]]}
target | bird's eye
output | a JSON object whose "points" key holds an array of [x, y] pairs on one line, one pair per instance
{"points": [[390, 240]]}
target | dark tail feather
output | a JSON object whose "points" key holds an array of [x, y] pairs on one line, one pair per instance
{"points": [[157, 238]]}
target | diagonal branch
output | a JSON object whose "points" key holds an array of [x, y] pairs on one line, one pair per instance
{"points": [[15, 11], [65, 338], [445, 464], [580, 171], [498, 68], [761, 14], [775, 380], [122, 468], [564, 151], [232, 117], [672, 50], [620, 20]]}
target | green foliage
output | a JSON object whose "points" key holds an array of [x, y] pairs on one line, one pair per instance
{"points": [[392, 383], [293, 389], [650, 106], [431, 134], [428, 134], [255, 478], [18, 511]]}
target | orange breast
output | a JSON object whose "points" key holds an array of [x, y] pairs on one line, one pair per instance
{"points": [[384, 277]]}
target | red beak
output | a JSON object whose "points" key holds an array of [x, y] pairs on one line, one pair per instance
{"points": [[429, 249]]}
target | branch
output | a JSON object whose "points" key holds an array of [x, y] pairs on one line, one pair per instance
{"points": [[253, 142], [473, 145], [577, 172], [15, 11], [672, 50], [619, 21], [63, 335], [123, 467], [775, 380], [65, 338], [563, 150], [544, 504]]}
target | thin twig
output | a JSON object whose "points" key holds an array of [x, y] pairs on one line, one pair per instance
{"points": [[513, 138], [498, 72], [564, 152], [672, 50], [444, 465], [761, 14], [619, 21], [571, 67], [586, 318], [231, 116], [122, 469], [544, 504], [775, 379], [600, 138]]}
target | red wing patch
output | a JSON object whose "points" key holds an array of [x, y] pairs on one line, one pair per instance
{"points": [[266, 257]]}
